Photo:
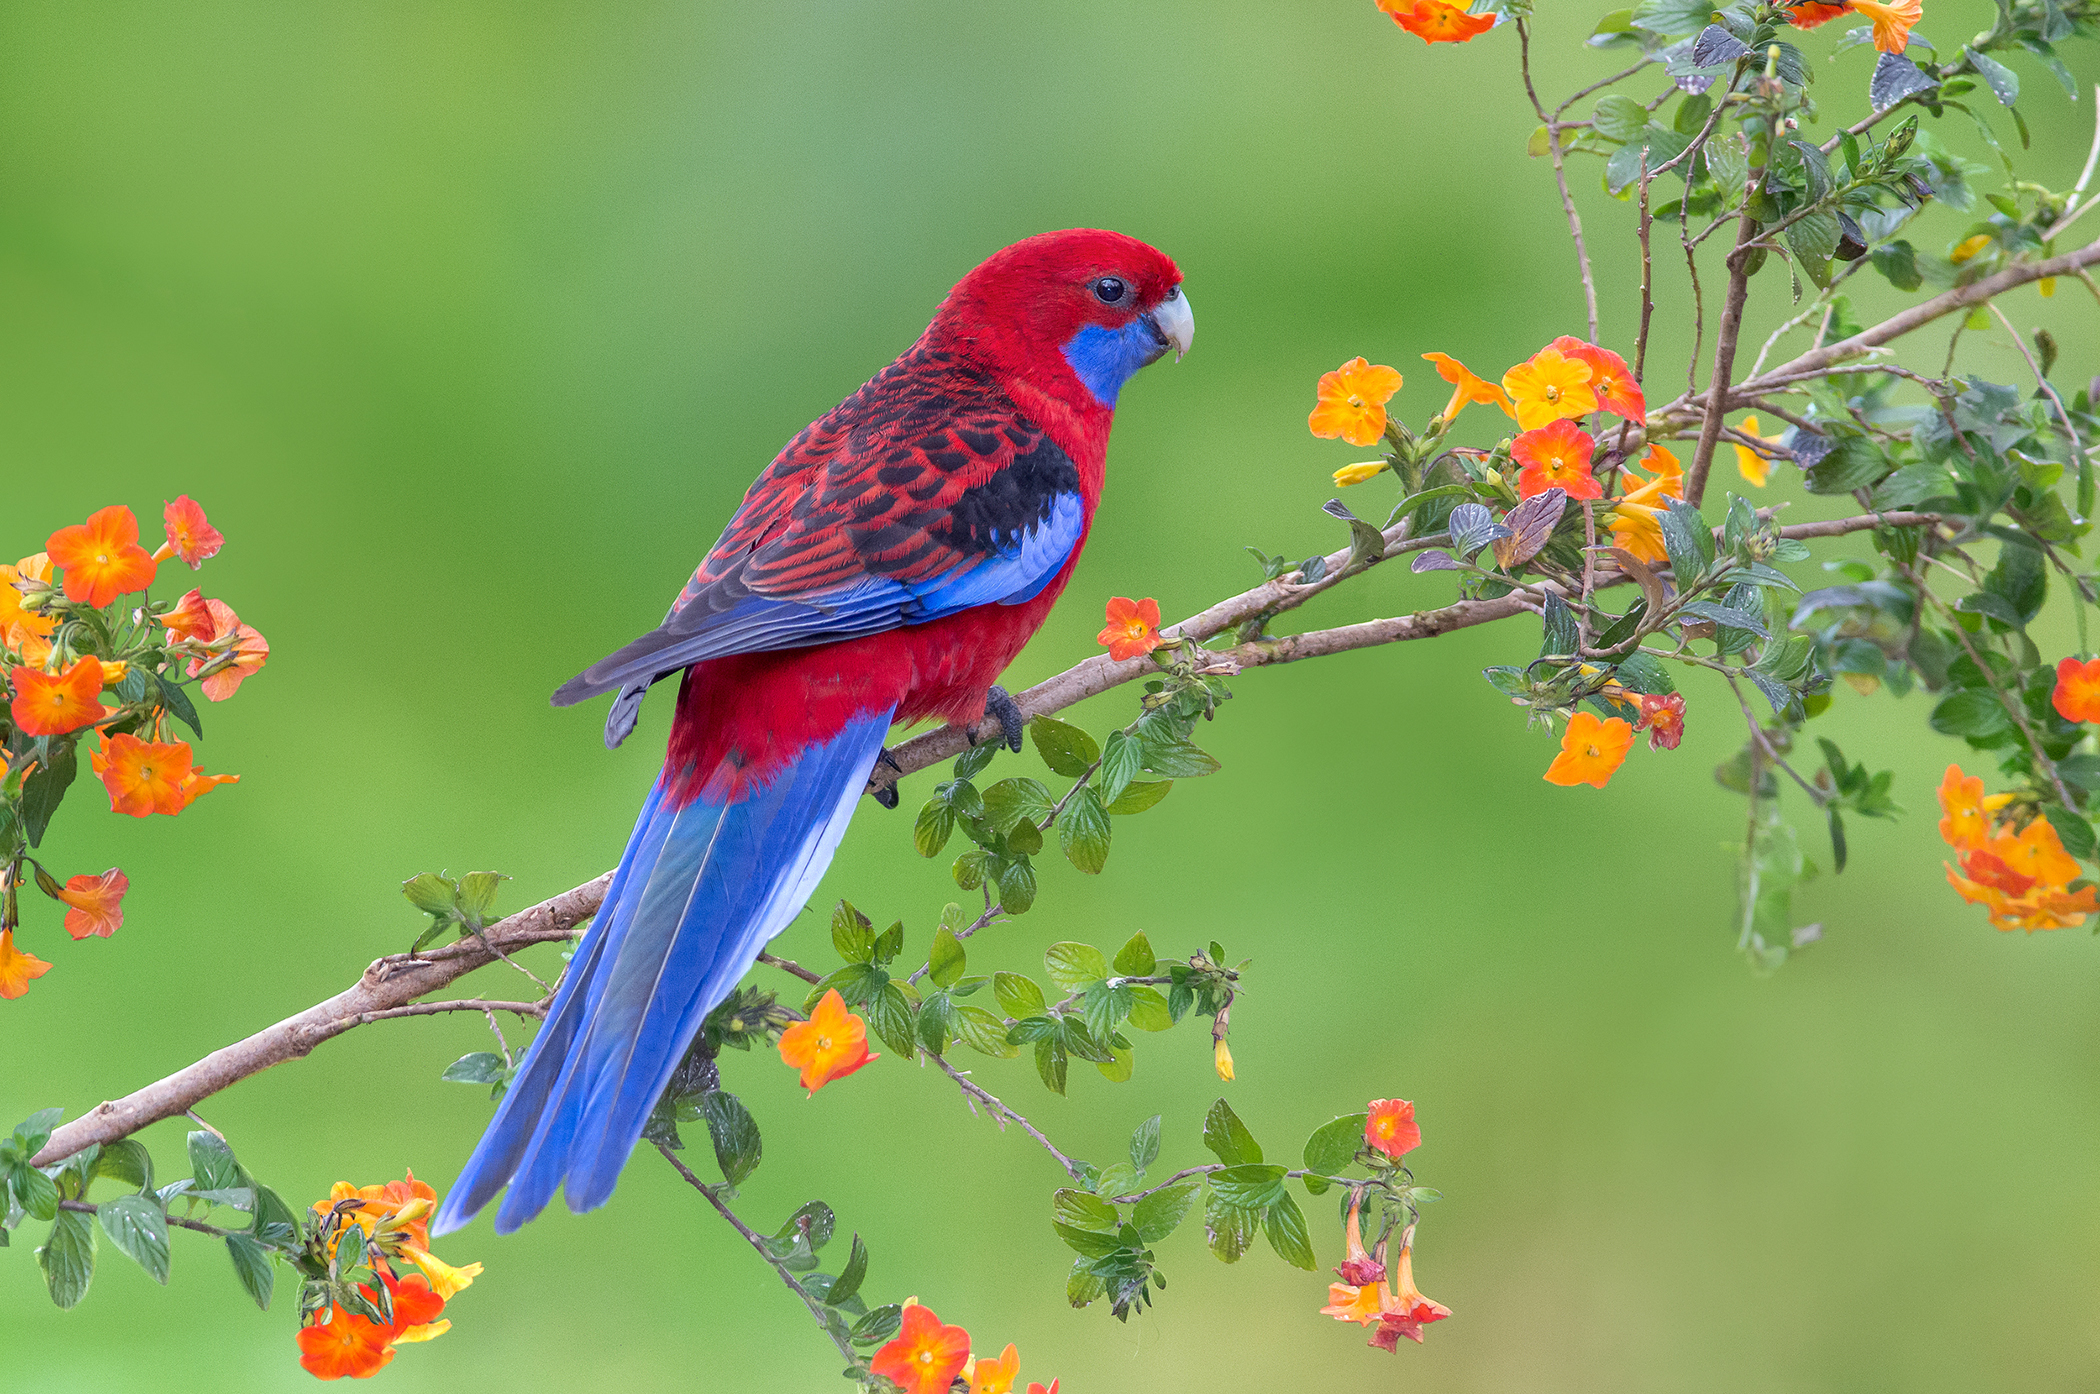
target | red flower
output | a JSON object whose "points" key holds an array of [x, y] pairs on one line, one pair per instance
{"points": [[347, 1345], [48, 705], [832, 1044], [2077, 694], [102, 558], [1437, 21], [1662, 717], [1391, 1127], [97, 904], [1133, 628], [926, 1356], [1407, 1311], [1610, 379], [190, 536], [1809, 15], [249, 648], [191, 618], [1555, 456]]}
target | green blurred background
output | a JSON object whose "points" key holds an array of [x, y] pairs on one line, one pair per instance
{"points": [[470, 323]]}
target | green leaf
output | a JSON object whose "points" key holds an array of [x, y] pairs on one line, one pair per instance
{"points": [[1117, 1069], [894, 1020], [45, 788], [432, 894], [936, 1016], [734, 1133], [1018, 994], [982, 1032], [878, 1325], [1011, 801], [933, 827], [1082, 1210], [68, 1258], [1148, 1009], [1559, 624], [1138, 797], [1083, 831], [1619, 118], [1177, 759], [848, 1282], [1121, 758], [852, 933], [37, 1192], [2004, 82], [128, 1161], [1144, 1145], [251, 1264], [33, 1132], [1088, 1242], [1970, 712], [1051, 1063], [176, 703], [1228, 1228], [1227, 1137], [946, 962], [1073, 965], [1016, 886], [1161, 1213], [477, 896], [140, 1231], [1065, 748], [1334, 1145], [1251, 1185], [1288, 1236], [1134, 959], [481, 1067]]}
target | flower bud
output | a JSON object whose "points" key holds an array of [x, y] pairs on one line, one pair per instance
{"points": [[1222, 1057]]}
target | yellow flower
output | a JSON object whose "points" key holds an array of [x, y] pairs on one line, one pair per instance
{"points": [[1357, 474], [1549, 387], [1892, 21], [1466, 386], [1352, 402], [1222, 1058], [445, 1280], [997, 1376], [1754, 467]]}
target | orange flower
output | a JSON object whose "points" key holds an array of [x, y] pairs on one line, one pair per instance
{"points": [[832, 1044], [1668, 472], [1611, 381], [1892, 22], [1351, 1302], [97, 904], [2036, 855], [1754, 468], [345, 1346], [1357, 1266], [926, 1356], [1663, 719], [102, 559], [1591, 751], [1555, 456], [1636, 521], [1391, 1127], [190, 536], [2077, 694], [1352, 402], [385, 1202], [1967, 826], [2023, 878], [47, 705], [12, 615], [191, 618], [1133, 628], [1436, 21], [1809, 15], [1467, 386], [1407, 1311], [250, 650], [997, 1376], [1549, 387], [142, 777], [416, 1307], [16, 967]]}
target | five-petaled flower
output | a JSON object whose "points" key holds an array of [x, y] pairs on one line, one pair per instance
{"points": [[1754, 468], [395, 1217], [1467, 386], [1548, 387], [17, 967], [1662, 717], [2077, 694], [102, 557], [229, 636], [1390, 1127], [926, 1356], [347, 1345], [2022, 877], [997, 1376], [190, 535], [151, 776], [832, 1044], [1555, 456], [1437, 21], [1892, 22], [95, 904], [1132, 629], [53, 704], [1352, 402], [1591, 750], [1611, 381]]}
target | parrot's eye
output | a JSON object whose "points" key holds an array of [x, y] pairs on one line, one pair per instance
{"points": [[1109, 290]]}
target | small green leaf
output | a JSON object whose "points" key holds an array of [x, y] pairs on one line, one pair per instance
{"points": [[1148, 1009], [1073, 965], [1144, 1145], [251, 1264], [1083, 1211], [1135, 959], [1051, 1063], [1159, 1214], [128, 1161], [1065, 748], [1178, 759], [481, 1067], [734, 1132], [947, 960], [1121, 758], [68, 1258], [848, 1282], [1335, 1144], [1018, 994], [431, 893], [878, 1325], [852, 933], [1228, 1228], [140, 1231], [1139, 796], [1016, 886], [933, 827], [1011, 802], [894, 1020], [37, 1192], [1288, 1236], [1250, 1185], [1227, 1137], [982, 1032], [1083, 831], [477, 896]]}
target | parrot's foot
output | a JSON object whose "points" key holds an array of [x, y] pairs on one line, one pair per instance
{"points": [[887, 794], [1000, 703]]}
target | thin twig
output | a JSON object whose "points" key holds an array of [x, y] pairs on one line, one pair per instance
{"points": [[1724, 344], [1560, 175], [1004, 1115], [88, 1207], [536, 1010], [2077, 450]]}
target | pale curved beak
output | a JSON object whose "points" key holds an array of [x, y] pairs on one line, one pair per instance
{"points": [[1176, 321]]}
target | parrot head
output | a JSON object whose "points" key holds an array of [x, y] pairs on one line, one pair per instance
{"points": [[1077, 312]]}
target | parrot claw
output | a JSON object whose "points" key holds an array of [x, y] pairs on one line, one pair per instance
{"points": [[887, 794], [1000, 703]]}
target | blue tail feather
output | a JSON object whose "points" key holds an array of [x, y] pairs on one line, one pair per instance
{"points": [[699, 891]]}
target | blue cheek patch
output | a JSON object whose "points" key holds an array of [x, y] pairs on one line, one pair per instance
{"points": [[1104, 359]]}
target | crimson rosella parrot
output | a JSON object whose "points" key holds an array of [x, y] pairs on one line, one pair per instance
{"points": [[886, 567]]}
